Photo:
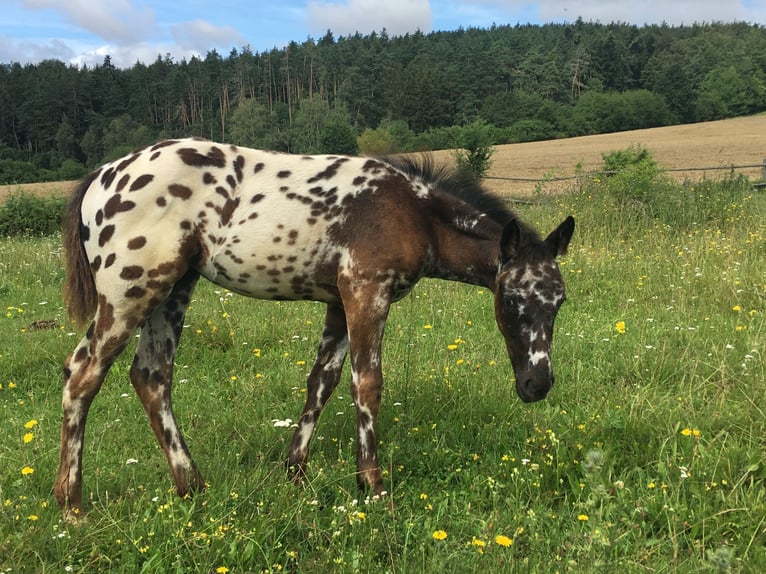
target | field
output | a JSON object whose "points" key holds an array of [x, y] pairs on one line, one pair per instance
{"points": [[647, 457]]}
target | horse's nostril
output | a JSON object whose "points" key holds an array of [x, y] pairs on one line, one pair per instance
{"points": [[531, 390]]}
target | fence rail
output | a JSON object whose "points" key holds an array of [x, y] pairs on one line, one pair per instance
{"points": [[762, 166]]}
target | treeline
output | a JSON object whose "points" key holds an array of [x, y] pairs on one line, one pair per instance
{"points": [[381, 94]]}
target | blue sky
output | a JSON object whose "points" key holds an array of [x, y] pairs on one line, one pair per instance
{"points": [[84, 31]]}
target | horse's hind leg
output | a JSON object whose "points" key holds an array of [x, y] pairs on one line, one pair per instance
{"points": [[84, 372], [152, 376], [322, 381]]}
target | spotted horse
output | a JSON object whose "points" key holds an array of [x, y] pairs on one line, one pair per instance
{"points": [[354, 233]]}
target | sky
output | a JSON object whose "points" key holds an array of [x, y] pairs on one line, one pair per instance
{"points": [[83, 32]]}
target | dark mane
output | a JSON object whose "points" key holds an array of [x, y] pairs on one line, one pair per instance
{"points": [[445, 179]]}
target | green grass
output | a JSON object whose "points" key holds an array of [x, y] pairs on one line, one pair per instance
{"points": [[647, 457]]}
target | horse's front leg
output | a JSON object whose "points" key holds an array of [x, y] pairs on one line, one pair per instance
{"points": [[322, 381], [366, 312]]}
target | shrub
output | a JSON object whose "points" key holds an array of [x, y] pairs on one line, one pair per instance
{"points": [[338, 137], [26, 214], [375, 142], [642, 190], [475, 157]]}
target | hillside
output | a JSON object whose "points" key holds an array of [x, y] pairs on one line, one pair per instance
{"points": [[738, 141]]}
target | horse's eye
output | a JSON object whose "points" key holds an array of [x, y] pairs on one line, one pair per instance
{"points": [[511, 301]]}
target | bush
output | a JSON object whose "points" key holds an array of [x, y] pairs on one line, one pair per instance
{"points": [[642, 191], [26, 214], [475, 156], [338, 137]]}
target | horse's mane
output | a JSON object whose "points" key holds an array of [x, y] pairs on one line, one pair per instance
{"points": [[445, 180]]}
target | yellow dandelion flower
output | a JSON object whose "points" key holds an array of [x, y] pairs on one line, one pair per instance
{"points": [[503, 540], [439, 535], [686, 432], [582, 517], [222, 570], [257, 352], [33, 517], [28, 437], [620, 327], [428, 326], [30, 423], [27, 470], [452, 347], [478, 544], [736, 308]]}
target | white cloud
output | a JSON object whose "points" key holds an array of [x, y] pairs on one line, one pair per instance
{"points": [[27, 52], [398, 17], [127, 56], [201, 36], [118, 21], [673, 12]]}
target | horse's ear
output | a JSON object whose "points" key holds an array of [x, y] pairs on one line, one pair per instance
{"points": [[510, 240], [559, 239]]}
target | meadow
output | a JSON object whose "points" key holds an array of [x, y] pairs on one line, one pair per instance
{"points": [[648, 456]]}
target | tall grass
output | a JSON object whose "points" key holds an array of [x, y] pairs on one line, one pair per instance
{"points": [[647, 456]]}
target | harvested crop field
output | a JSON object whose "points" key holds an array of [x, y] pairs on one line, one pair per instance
{"points": [[719, 144], [738, 141]]}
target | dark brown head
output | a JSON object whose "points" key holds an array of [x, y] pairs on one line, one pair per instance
{"points": [[528, 295]]}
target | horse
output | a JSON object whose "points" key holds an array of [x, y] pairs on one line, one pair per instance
{"points": [[354, 233]]}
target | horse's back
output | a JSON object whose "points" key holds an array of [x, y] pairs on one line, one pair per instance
{"points": [[265, 224]]}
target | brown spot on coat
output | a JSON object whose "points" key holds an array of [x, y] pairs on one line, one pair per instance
{"points": [[116, 205], [109, 260], [105, 235], [330, 171], [163, 144], [122, 183], [108, 177], [135, 292], [126, 162], [239, 164], [80, 355], [179, 191], [137, 242], [131, 272], [284, 174], [214, 158], [141, 182]]}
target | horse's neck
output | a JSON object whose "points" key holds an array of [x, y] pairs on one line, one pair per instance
{"points": [[466, 258]]}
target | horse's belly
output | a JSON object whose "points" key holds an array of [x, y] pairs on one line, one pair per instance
{"points": [[275, 264]]}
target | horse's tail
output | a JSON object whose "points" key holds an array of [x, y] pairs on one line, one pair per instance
{"points": [[79, 288]]}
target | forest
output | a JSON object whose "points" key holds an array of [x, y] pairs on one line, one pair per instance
{"points": [[381, 94]]}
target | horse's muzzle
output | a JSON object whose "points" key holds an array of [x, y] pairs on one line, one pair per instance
{"points": [[531, 388]]}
